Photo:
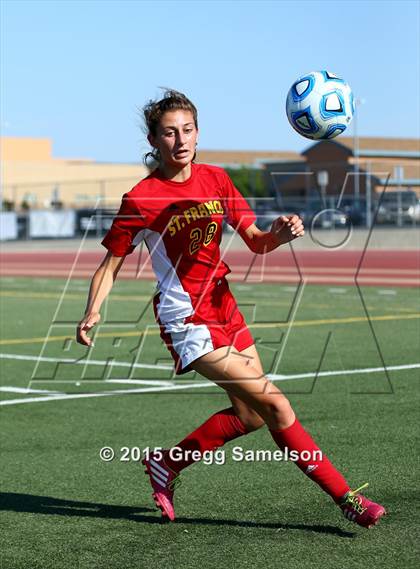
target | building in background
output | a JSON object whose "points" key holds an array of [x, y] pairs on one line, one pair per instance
{"points": [[33, 179], [389, 161], [381, 181], [243, 158]]}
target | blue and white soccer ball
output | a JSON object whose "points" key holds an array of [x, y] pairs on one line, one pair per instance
{"points": [[320, 105]]}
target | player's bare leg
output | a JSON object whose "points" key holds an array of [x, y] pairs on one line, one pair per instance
{"points": [[223, 426], [234, 373], [241, 378], [164, 468], [246, 414]]}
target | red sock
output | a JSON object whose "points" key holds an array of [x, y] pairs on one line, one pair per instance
{"points": [[219, 429], [320, 470]]}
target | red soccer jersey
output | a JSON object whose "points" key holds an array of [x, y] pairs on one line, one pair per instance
{"points": [[181, 225]]}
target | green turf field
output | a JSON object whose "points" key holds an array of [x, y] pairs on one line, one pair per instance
{"points": [[62, 507]]}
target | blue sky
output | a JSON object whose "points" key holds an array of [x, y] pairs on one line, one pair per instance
{"points": [[78, 71]]}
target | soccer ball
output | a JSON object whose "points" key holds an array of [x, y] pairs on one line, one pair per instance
{"points": [[320, 105]]}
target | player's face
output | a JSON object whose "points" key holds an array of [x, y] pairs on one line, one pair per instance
{"points": [[176, 138]]}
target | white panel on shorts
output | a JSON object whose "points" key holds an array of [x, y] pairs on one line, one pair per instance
{"points": [[190, 341], [138, 238], [174, 301]]}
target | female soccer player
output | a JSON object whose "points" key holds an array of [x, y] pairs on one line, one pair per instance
{"points": [[178, 211]]}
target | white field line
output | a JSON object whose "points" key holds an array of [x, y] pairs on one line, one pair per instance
{"points": [[168, 367], [105, 393], [26, 390], [7, 389], [82, 362], [273, 376], [199, 384], [385, 291], [278, 377], [136, 381]]}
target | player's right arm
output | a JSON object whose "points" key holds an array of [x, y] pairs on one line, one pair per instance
{"points": [[119, 241], [100, 287]]}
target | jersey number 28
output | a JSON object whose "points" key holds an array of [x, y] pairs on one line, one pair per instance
{"points": [[197, 239]]}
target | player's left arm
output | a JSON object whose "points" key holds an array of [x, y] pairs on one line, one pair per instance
{"points": [[284, 229]]}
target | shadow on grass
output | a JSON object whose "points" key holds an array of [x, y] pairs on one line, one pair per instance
{"points": [[55, 506]]}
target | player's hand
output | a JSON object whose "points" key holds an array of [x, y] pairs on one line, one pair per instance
{"points": [[287, 227], [84, 326]]}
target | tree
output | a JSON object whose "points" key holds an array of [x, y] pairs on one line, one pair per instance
{"points": [[249, 181]]}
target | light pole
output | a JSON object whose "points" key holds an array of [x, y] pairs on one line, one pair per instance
{"points": [[322, 179], [368, 196], [357, 103]]}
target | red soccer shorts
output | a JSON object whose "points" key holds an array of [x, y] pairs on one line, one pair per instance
{"points": [[216, 322]]}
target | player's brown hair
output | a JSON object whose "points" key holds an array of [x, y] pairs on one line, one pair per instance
{"points": [[153, 111]]}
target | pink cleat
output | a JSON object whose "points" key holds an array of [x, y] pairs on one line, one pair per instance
{"points": [[163, 480], [360, 510]]}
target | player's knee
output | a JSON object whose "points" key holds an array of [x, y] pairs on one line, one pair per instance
{"points": [[279, 412]]}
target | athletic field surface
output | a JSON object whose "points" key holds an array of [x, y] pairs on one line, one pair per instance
{"points": [[344, 347]]}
